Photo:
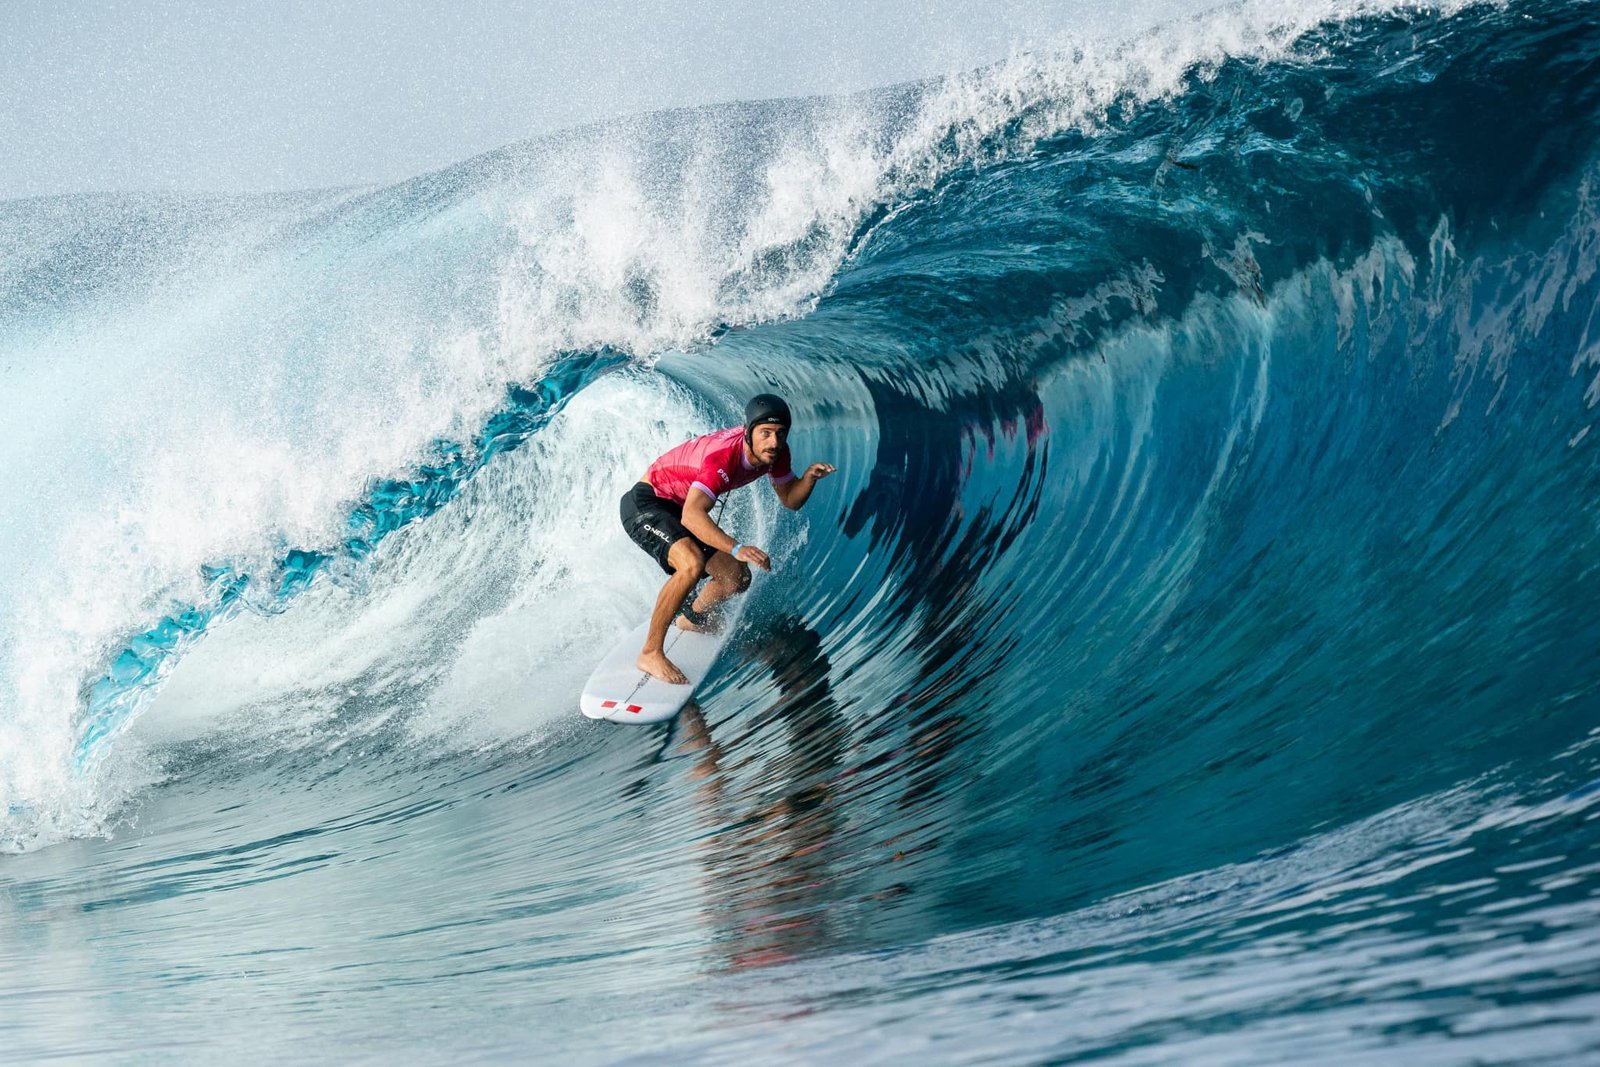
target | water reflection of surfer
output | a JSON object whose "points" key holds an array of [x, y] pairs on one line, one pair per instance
{"points": [[770, 854]]}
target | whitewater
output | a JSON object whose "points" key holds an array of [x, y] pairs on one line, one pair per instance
{"points": [[1193, 660]]}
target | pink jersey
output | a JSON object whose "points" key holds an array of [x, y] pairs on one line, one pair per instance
{"points": [[712, 464]]}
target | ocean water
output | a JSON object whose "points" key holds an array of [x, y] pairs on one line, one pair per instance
{"points": [[1195, 659]]}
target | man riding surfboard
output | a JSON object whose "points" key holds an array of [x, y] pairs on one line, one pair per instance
{"points": [[668, 514]]}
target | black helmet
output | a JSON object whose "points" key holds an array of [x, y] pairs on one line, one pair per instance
{"points": [[764, 408]]}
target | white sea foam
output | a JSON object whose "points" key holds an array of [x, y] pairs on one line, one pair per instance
{"points": [[477, 624]]}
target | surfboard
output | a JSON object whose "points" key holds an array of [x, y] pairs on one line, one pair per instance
{"points": [[619, 691]]}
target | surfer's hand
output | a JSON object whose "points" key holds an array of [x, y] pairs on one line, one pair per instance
{"points": [[752, 554], [818, 471]]}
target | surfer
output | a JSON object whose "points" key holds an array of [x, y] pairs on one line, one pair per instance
{"points": [[668, 514]]}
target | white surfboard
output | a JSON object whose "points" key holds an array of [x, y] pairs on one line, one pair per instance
{"points": [[620, 692]]}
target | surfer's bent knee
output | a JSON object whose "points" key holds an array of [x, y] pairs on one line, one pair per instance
{"points": [[729, 571], [686, 558]]}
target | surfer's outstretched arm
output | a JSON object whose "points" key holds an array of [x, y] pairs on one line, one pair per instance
{"points": [[796, 492]]}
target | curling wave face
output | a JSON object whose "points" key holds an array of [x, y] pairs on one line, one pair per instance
{"points": [[1197, 631]]}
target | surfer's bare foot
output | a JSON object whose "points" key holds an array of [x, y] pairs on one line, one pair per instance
{"points": [[710, 626], [657, 665]]}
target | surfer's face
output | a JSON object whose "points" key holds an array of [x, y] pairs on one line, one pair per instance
{"points": [[765, 441]]}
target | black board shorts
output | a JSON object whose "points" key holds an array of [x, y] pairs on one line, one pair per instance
{"points": [[655, 525]]}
